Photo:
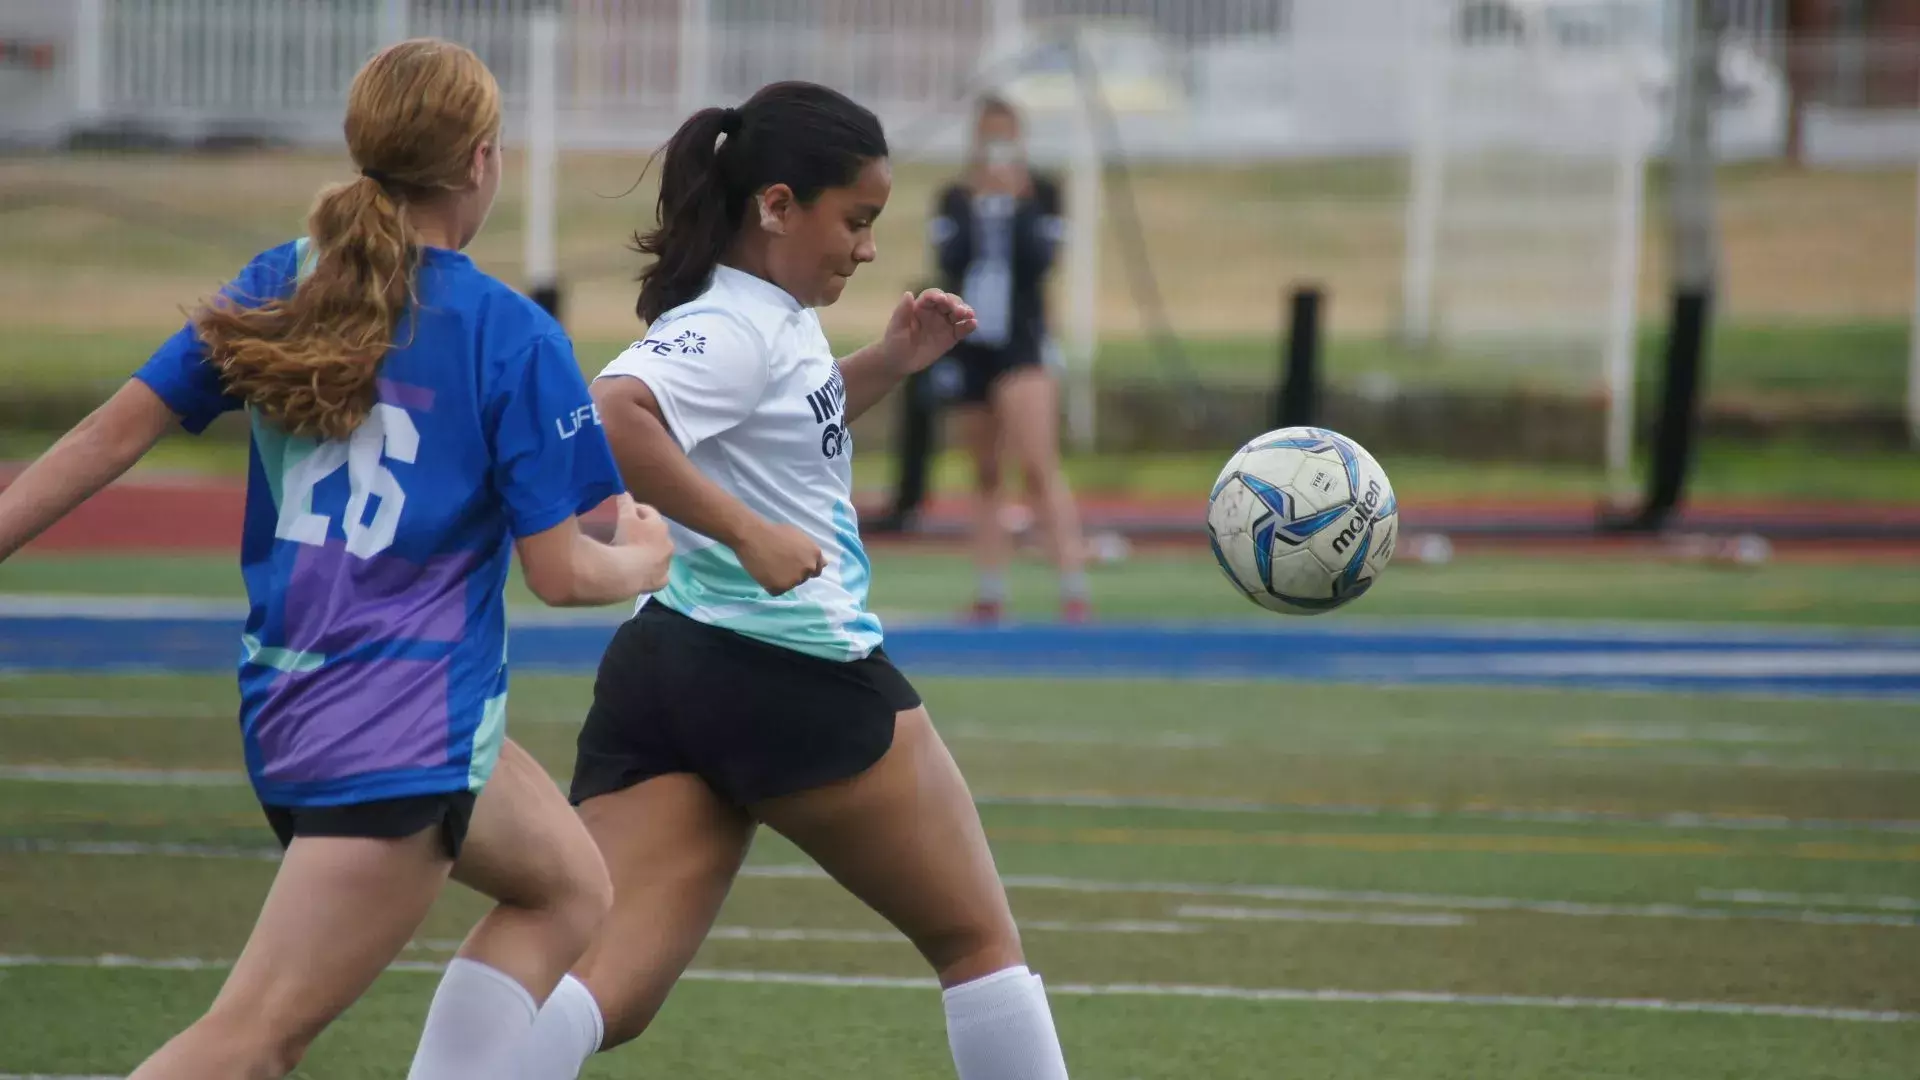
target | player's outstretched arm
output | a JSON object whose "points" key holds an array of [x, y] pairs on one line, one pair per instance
{"points": [[779, 556], [923, 329], [101, 447], [567, 568]]}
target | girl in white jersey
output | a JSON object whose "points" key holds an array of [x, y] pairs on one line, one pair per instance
{"points": [[754, 688]]}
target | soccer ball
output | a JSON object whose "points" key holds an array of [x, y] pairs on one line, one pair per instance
{"points": [[1302, 520]]}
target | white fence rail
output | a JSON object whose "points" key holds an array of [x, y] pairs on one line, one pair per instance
{"points": [[1212, 79]]}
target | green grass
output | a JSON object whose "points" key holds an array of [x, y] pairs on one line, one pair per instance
{"points": [[1451, 799], [73, 362], [799, 1032], [1859, 362], [1474, 793], [1775, 471], [1774, 367], [1179, 584]]}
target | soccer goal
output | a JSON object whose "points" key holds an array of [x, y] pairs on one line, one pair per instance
{"points": [[1532, 124]]}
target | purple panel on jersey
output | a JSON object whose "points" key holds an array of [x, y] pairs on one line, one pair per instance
{"points": [[336, 602], [405, 395], [367, 679], [350, 719]]}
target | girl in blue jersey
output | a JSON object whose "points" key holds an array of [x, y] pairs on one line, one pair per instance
{"points": [[755, 687], [414, 422]]}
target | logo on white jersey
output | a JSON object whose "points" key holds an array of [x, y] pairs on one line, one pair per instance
{"points": [[830, 400], [689, 343], [829, 405]]}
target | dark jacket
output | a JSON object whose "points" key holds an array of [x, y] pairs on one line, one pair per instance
{"points": [[1037, 231]]}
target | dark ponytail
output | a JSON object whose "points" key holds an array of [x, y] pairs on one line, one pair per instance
{"points": [[800, 134]]}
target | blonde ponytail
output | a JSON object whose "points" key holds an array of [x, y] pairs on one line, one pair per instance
{"points": [[308, 363]]}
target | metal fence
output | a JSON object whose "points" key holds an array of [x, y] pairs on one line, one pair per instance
{"points": [[1208, 79]]}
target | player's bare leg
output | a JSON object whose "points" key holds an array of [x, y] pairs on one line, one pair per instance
{"points": [[1026, 405], [527, 849], [905, 837], [673, 848], [979, 433], [340, 910]]}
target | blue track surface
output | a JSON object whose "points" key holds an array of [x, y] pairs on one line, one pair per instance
{"points": [[1676, 658]]}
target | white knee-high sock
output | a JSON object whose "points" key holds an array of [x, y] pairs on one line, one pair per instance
{"points": [[475, 1028], [1000, 1028], [568, 1032]]}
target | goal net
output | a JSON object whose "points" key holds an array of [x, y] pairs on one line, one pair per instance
{"points": [[1532, 121]]}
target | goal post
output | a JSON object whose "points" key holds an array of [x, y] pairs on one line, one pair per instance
{"points": [[540, 254], [1525, 196], [1913, 342]]}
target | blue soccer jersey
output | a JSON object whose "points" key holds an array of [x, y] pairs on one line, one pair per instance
{"points": [[374, 660]]}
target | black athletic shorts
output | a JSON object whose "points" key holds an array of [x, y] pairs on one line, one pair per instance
{"points": [[389, 819], [980, 367], [755, 721]]}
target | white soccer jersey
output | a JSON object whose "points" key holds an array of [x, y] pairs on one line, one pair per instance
{"points": [[752, 392]]}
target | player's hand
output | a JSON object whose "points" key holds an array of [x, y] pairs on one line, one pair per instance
{"points": [[641, 528], [925, 328], [780, 557]]}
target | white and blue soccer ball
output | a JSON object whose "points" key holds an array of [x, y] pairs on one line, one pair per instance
{"points": [[1302, 520]]}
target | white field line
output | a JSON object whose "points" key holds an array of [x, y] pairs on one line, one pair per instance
{"points": [[1681, 819], [1443, 902], [139, 848], [1431, 901], [118, 776], [124, 776], [118, 608], [1218, 993], [234, 611], [1318, 915], [108, 709], [814, 936], [1761, 896], [1819, 918], [1780, 663], [1145, 740], [1282, 893]]}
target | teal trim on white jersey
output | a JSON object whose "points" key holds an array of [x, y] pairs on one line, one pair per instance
{"points": [[856, 571], [710, 585], [751, 391]]}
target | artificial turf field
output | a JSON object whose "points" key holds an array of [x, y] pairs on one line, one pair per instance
{"points": [[1217, 877]]}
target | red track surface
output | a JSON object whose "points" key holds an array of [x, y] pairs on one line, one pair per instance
{"points": [[193, 514]]}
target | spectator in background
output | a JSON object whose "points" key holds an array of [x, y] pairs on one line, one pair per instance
{"points": [[994, 234]]}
